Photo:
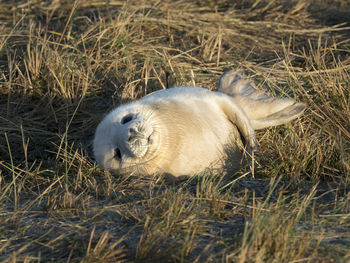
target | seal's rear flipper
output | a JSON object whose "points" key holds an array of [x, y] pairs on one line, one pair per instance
{"points": [[262, 110]]}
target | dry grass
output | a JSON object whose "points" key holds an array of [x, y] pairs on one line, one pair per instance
{"points": [[63, 64]]}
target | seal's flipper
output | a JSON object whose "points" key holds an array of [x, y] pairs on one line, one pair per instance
{"points": [[262, 110], [237, 116]]}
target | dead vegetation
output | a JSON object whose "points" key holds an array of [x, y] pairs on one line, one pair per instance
{"points": [[63, 64]]}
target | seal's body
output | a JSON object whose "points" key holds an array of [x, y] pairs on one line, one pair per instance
{"points": [[184, 130]]}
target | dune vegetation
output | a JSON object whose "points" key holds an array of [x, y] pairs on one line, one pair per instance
{"points": [[65, 64]]}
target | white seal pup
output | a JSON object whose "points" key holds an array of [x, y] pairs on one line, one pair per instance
{"points": [[183, 131]]}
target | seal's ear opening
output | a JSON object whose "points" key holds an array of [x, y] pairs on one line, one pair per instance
{"points": [[262, 110]]}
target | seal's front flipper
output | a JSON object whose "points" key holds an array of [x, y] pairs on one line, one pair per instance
{"points": [[236, 115], [262, 110]]}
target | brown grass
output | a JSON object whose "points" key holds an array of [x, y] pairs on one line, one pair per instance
{"points": [[64, 64]]}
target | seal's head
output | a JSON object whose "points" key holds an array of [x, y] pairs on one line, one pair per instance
{"points": [[124, 138]]}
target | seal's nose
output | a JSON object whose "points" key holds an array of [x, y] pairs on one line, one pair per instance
{"points": [[134, 134]]}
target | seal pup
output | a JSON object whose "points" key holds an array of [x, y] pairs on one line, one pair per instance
{"points": [[183, 131]]}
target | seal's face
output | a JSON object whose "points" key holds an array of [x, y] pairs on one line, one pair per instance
{"points": [[122, 139]]}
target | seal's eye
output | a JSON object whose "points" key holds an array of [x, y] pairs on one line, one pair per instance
{"points": [[126, 119], [117, 153]]}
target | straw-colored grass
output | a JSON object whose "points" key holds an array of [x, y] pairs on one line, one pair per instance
{"points": [[64, 64]]}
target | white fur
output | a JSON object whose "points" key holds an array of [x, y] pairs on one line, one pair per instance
{"points": [[184, 130]]}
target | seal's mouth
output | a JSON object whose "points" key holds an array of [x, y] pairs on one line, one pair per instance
{"points": [[132, 162], [150, 139]]}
